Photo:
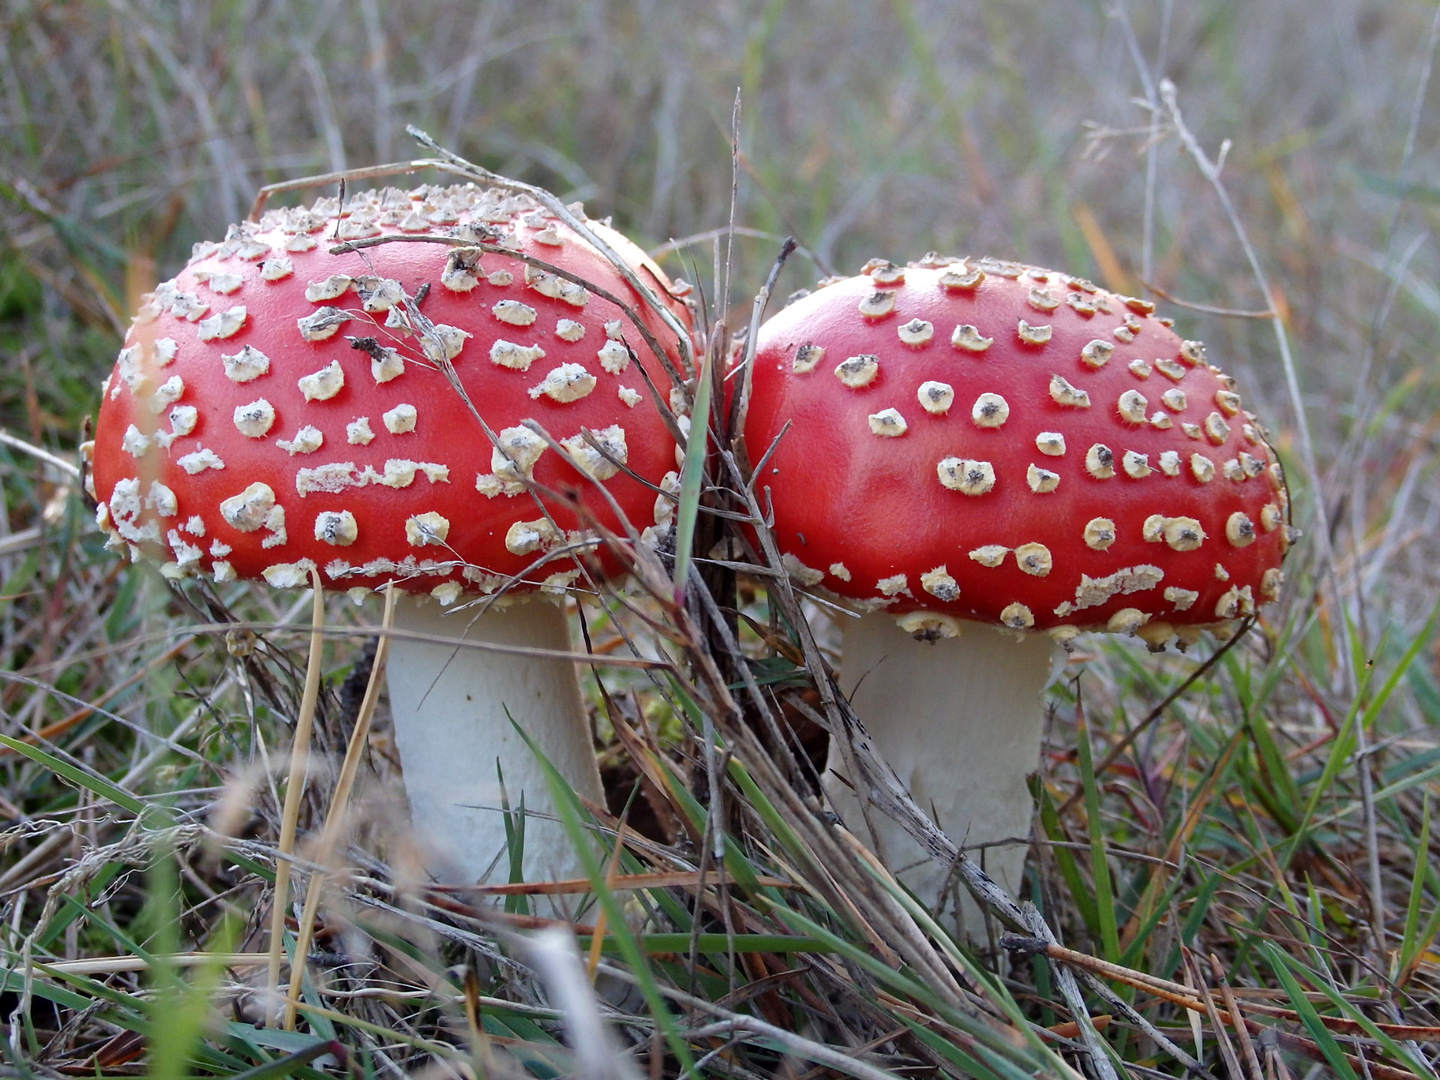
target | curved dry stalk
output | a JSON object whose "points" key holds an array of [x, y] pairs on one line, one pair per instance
{"points": [[294, 788], [339, 802], [334, 818]]}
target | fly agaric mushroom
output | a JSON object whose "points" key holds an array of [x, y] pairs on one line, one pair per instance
{"points": [[377, 414], [979, 453]]}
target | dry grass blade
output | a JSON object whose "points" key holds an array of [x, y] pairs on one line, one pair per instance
{"points": [[294, 789], [1218, 1023], [675, 879], [1185, 995], [592, 960], [1100, 1063], [1199, 1001], [1237, 1019], [335, 818]]}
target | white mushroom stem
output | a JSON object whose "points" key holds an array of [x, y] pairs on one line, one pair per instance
{"points": [[453, 704], [959, 721]]}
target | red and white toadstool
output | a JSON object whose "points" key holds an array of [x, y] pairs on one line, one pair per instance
{"points": [[979, 453], [378, 414]]}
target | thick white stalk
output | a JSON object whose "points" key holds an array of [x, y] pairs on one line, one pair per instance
{"points": [[453, 705], [959, 720]]}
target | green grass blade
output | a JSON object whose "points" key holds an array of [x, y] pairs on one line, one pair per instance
{"points": [[1309, 1017], [1105, 902], [80, 777], [692, 475], [572, 814]]}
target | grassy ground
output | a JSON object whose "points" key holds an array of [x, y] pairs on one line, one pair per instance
{"points": [[1237, 844]]}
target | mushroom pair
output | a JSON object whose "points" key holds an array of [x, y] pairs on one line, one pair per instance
{"points": [[991, 458], [459, 411]]}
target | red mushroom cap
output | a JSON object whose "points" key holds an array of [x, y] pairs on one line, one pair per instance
{"points": [[975, 439], [278, 407]]}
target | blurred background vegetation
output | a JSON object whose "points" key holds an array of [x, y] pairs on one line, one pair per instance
{"points": [[130, 129]]}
